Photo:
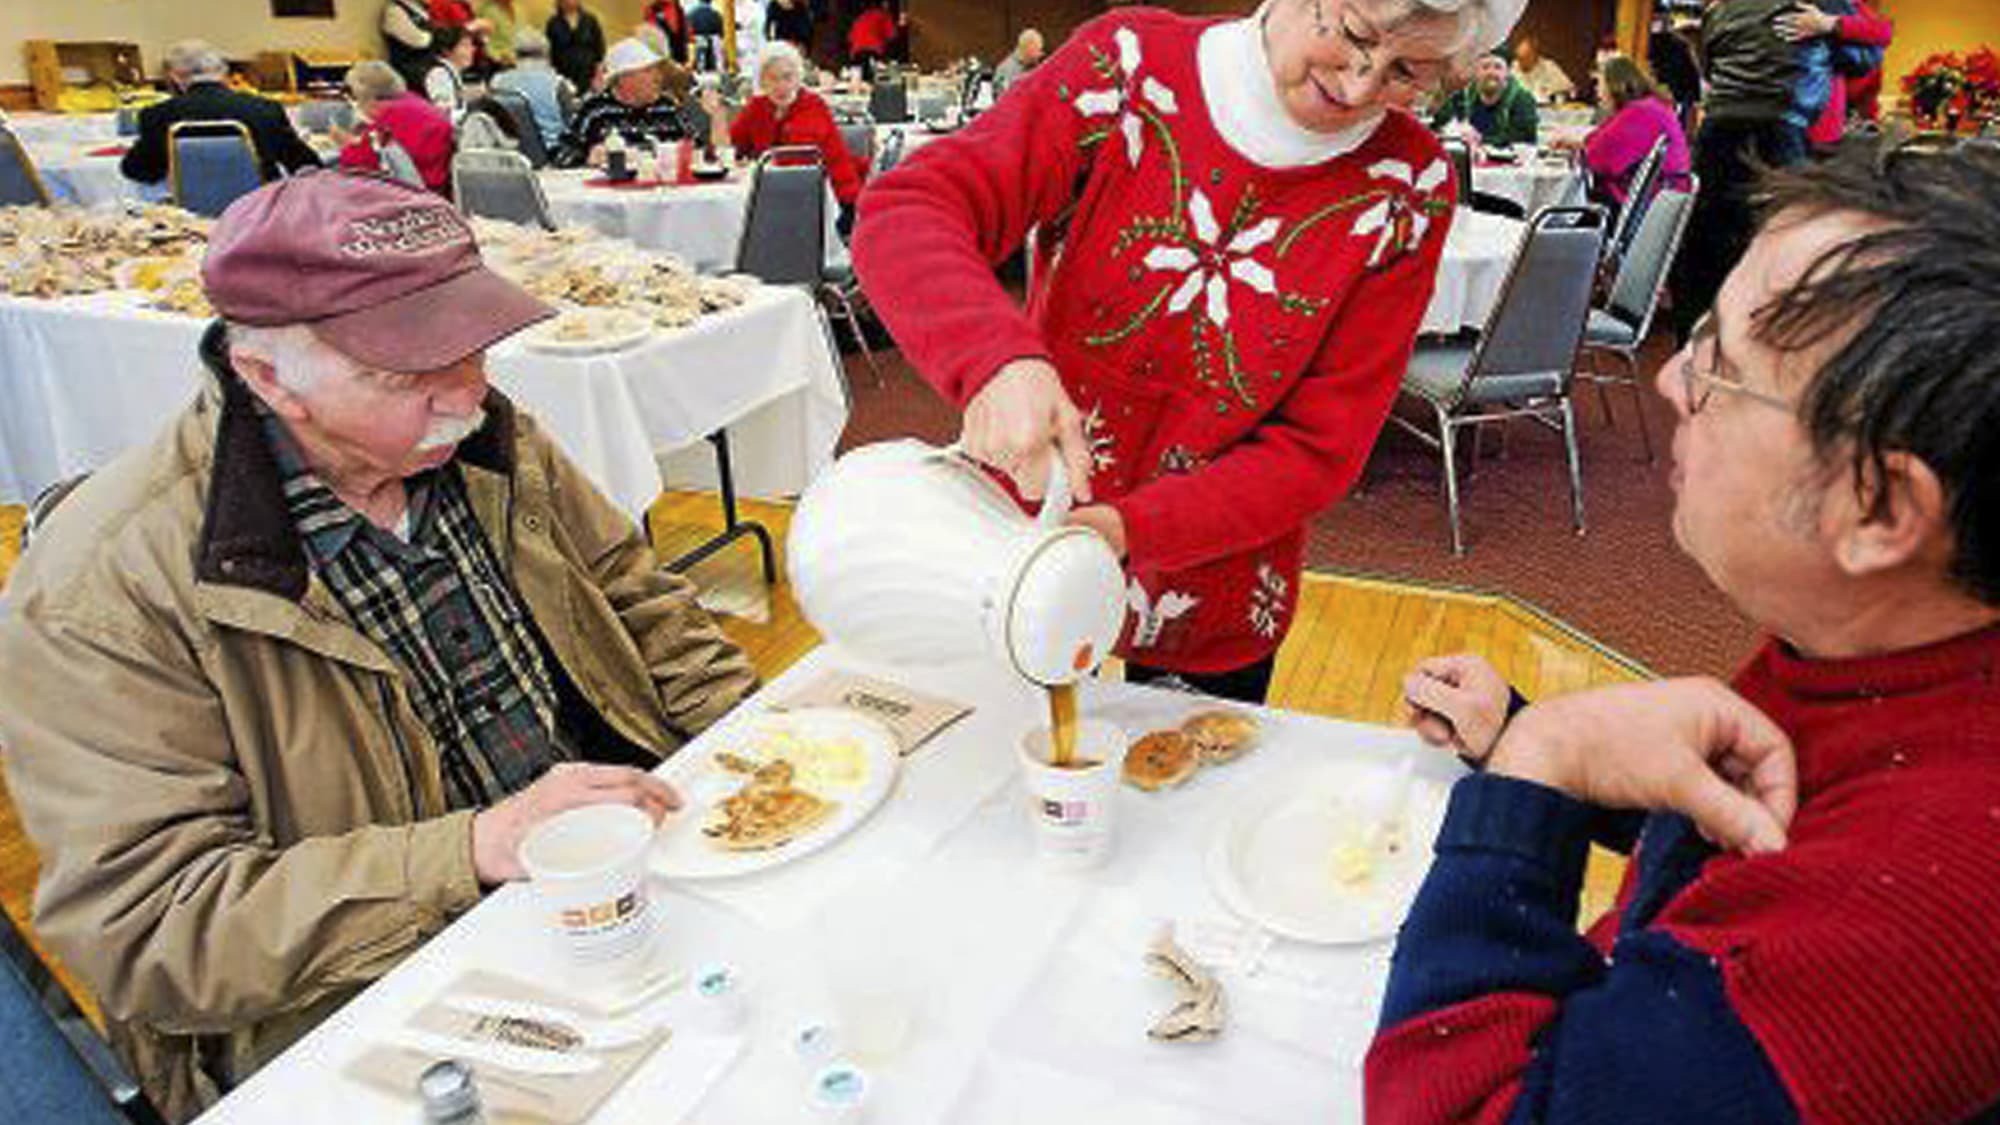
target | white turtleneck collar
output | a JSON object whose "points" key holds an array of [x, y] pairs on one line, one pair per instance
{"points": [[1236, 81]]}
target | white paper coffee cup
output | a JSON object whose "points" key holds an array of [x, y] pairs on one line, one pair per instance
{"points": [[587, 874], [1073, 809]]}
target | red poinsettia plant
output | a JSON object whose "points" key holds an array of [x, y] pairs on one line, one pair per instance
{"points": [[1953, 92]]}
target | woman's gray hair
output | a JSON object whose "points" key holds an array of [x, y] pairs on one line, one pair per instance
{"points": [[780, 54], [373, 80], [298, 358], [1486, 23]]}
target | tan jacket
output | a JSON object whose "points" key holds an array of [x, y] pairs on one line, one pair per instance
{"points": [[206, 751]]}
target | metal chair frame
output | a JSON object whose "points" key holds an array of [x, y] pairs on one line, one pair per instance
{"points": [[1628, 354], [1554, 410]]}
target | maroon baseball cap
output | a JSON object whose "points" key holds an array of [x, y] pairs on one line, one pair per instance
{"points": [[387, 273]]}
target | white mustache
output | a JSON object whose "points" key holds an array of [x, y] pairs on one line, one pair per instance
{"points": [[449, 431]]}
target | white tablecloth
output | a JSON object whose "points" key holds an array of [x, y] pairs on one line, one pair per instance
{"points": [[64, 128], [699, 222], [84, 379], [1477, 253], [75, 175], [1532, 183], [1030, 995]]}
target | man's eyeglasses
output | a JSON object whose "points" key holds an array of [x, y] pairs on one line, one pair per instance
{"points": [[1703, 372]]}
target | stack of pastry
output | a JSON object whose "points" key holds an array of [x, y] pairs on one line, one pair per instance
{"points": [[1166, 758]]}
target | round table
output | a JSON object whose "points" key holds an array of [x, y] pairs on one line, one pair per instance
{"points": [[699, 223], [1532, 182], [1477, 254]]}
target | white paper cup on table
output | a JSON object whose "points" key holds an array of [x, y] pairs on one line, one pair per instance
{"points": [[874, 983], [587, 876], [1074, 808]]}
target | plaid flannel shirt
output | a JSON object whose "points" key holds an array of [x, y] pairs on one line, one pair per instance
{"points": [[442, 607]]}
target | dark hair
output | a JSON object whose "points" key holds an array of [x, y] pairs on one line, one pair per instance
{"points": [[445, 39], [1918, 298], [1626, 82]]}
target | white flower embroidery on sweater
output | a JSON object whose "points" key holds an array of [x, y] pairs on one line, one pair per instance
{"points": [[1398, 220], [1267, 600], [1154, 616], [1117, 100], [1209, 263]]}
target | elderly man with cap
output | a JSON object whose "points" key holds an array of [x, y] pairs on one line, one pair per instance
{"points": [[634, 103], [287, 687]]}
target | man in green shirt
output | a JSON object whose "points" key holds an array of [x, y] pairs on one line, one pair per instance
{"points": [[1494, 103]]}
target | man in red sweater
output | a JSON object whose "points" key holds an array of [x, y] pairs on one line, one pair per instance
{"points": [[1809, 928]]}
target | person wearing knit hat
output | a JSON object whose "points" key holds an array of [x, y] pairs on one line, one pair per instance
{"points": [[1807, 929], [287, 686], [1494, 105], [634, 103]]}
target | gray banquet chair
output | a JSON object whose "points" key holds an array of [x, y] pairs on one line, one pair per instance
{"points": [[1521, 365], [1620, 327], [784, 237], [499, 184]]}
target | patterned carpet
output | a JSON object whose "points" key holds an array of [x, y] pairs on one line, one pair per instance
{"points": [[1624, 582]]}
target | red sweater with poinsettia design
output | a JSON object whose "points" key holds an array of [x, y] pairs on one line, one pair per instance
{"points": [[1234, 331]]}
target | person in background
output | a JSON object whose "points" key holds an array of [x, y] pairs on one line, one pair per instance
{"points": [[1753, 78], [1494, 104], [783, 113], [1640, 115], [634, 103], [1214, 340], [550, 96], [576, 44], [1026, 56], [199, 74], [1808, 929], [502, 26], [790, 21], [871, 36], [671, 19], [708, 31], [1675, 65], [406, 34], [288, 685], [1855, 40], [1863, 91], [1543, 77], [444, 84], [389, 112]]}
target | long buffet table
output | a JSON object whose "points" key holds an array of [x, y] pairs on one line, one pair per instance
{"points": [[84, 378]]}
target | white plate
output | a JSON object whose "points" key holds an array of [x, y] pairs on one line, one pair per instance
{"points": [[614, 330], [1271, 862], [682, 852]]}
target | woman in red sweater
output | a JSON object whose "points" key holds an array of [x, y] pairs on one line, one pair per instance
{"points": [[1238, 238], [391, 114], [786, 113]]}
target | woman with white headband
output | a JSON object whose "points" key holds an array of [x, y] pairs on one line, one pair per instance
{"points": [[1238, 228]]}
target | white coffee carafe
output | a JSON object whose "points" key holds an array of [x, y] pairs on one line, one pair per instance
{"points": [[911, 554]]}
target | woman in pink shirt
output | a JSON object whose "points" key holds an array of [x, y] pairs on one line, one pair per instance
{"points": [[1641, 113], [389, 112]]}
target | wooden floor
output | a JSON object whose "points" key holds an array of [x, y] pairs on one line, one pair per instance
{"points": [[1345, 657]]}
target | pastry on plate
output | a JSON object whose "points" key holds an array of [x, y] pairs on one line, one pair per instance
{"points": [[768, 812], [1221, 735], [1161, 759]]}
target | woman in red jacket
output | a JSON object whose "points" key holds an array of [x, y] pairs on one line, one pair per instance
{"points": [[786, 113], [1239, 233], [671, 19]]}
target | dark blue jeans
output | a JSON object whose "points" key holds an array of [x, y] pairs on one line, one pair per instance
{"points": [[1729, 156]]}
